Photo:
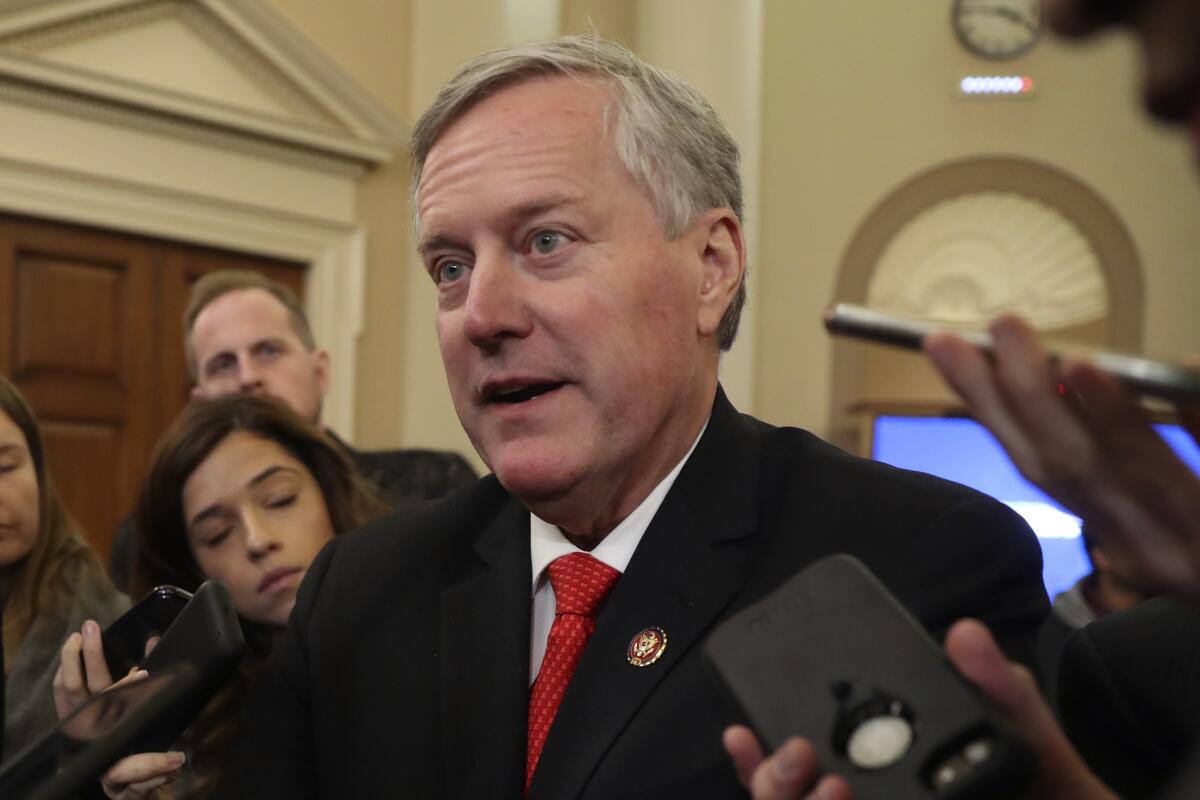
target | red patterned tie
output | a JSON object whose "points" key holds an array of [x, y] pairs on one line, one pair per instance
{"points": [[580, 582]]}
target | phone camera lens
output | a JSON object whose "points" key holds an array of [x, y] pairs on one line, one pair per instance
{"points": [[875, 733], [879, 742], [978, 751], [962, 760]]}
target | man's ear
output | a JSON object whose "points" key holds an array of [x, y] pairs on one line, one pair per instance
{"points": [[723, 263], [321, 364]]}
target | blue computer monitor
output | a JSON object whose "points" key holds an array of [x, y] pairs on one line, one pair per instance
{"points": [[964, 451]]}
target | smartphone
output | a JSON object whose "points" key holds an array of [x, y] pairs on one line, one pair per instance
{"points": [[206, 634], [831, 655], [68, 761], [125, 639], [1155, 378]]}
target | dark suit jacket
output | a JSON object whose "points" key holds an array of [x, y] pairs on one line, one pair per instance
{"points": [[404, 671], [1129, 694], [410, 476]]}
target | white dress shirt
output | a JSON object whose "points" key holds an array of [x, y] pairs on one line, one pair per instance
{"points": [[546, 543]]}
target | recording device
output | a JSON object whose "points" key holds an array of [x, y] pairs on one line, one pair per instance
{"points": [[69, 760], [205, 636], [1155, 378], [125, 640], [832, 656]]}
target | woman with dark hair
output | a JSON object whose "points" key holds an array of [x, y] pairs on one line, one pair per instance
{"points": [[244, 491], [50, 579]]}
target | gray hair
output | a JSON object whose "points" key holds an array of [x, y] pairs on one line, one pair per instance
{"points": [[668, 137]]}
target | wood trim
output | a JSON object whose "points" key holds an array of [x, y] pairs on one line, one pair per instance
{"points": [[334, 252]]}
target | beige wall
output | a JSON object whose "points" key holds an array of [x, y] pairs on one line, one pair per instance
{"points": [[856, 98], [856, 102], [371, 41]]}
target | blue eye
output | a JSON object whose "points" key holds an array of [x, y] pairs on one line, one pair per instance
{"points": [[449, 271], [545, 242]]}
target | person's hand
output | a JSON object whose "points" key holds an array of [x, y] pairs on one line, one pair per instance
{"points": [[1169, 32], [1013, 692], [83, 672], [1089, 446], [137, 776], [787, 773]]}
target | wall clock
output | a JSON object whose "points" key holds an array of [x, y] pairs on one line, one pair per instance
{"points": [[998, 29]]}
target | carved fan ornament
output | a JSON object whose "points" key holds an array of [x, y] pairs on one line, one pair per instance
{"points": [[966, 259]]}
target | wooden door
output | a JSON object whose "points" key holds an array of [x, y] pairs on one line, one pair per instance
{"points": [[91, 333]]}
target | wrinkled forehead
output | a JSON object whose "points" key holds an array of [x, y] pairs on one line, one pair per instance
{"points": [[532, 116]]}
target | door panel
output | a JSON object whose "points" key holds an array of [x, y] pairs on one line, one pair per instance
{"points": [[81, 320], [91, 333], [81, 456]]}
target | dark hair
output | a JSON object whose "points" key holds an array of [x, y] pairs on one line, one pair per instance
{"points": [[165, 554], [45, 577], [217, 284]]}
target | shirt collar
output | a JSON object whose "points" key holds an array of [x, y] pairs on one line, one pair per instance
{"points": [[547, 542]]}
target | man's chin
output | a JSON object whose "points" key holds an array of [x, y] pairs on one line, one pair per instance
{"points": [[535, 480]]}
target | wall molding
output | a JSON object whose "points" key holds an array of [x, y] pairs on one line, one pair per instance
{"points": [[93, 147], [332, 116]]}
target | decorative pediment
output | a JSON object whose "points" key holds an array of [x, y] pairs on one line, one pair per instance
{"points": [[230, 68]]}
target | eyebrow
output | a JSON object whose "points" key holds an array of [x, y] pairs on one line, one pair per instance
{"points": [[520, 212], [215, 509], [7, 446]]}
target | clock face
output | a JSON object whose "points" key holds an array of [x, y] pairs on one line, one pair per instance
{"points": [[997, 28]]}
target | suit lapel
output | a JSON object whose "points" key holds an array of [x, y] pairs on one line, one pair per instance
{"points": [[682, 576], [485, 664]]}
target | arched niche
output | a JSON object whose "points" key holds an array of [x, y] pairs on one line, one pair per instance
{"points": [[964, 241]]}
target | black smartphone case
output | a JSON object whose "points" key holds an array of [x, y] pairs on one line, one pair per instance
{"points": [[832, 647], [125, 639], [207, 637]]}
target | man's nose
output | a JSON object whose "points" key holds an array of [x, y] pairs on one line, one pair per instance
{"points": [[249, 375], [496, 306]]}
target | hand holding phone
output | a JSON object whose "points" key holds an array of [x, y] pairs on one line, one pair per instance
{"points": [[204, 635], [1153, 378], [833, 657], [125, 640]]}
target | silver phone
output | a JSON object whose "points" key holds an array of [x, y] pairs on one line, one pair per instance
{"points": [[1155, 378]]}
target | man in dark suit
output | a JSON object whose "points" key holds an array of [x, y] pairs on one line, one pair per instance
{"points": [[539, 632], [247, 333]]}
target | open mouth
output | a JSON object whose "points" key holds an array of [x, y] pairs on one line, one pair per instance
{"points": [[521, 394]]}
